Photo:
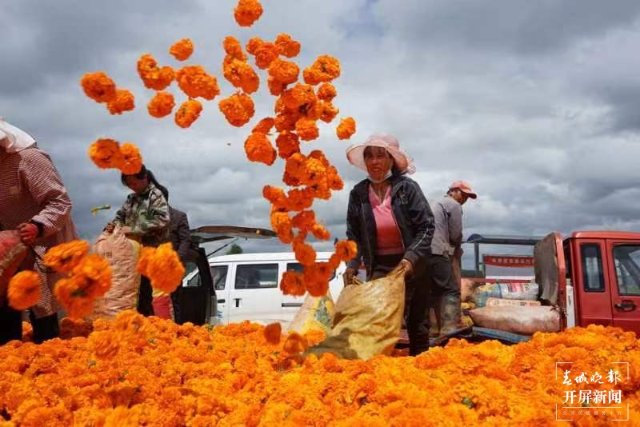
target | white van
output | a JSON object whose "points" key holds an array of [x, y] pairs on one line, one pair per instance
{"points": [[247, 287]]}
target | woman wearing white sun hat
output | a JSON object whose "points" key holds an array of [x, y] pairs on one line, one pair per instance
{"points": [[390, 219]]}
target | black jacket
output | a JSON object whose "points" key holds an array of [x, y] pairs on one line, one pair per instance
{"points": [[411, 211], [179, 232]]}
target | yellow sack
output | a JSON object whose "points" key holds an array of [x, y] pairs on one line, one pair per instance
{"points": [[316, 314], [368, 318]]}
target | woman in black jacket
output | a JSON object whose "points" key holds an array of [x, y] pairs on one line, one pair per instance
{"points": [[391, 221]]}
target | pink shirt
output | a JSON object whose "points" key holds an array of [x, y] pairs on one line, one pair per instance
{"points": [[387, 232]]}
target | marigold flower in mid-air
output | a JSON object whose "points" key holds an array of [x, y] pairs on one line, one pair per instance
{"points": [[73, 298], [288, 144], [295, 343], [238, 109], [264, 126], [247, 12], [329, 112], [241, 75], [93, 272], [24, 290], [182, 49], [292, 284], [196, 82], [265, 54], [105, 153], [324, 69], [259, 149], [233, 48], [98, 86], [131, 159], [154, 77], [162, 266], [188, 113], [326, 92], [63, 258], [284, 71], [161, 104], [307, 129], [305, 254], [273, 333], [346, 250], [346, 128], [287, 46], [281, 224], [123, 101]]}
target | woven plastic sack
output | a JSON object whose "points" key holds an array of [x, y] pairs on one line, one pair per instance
{"points": [[122, 254], [491, 302], [12, 253], [520, 320], [368, 318], [316, 314]]}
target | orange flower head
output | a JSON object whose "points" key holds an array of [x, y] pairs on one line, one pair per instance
{"points": [[316, 278], [241, 75], [284, 71], [295, 167], [295, 343], [196, 82], [276, 87], [259, 149], [73, 298], [324, 69], [265, 55], [346, 250], [304, 220], [98, 86], [182, 49], [24, 290], [144, 260], [63, 258], [329, 112], [275, 195], [254, 44], [292, 284], [300, 199], [288, 144], [154, 77], [131, 159], [233, 48], [161, 104], [281, 224], [247, 12], [163, 268], [320, 232], [298, 96], [285, 122], [287, 46], [334, 180], [124, 101], [188, 113], [326, 92], [264, 126], [305, 254], [238, 109], [105, 153], [273, 333], [307, 129], [93, 275], [346, 128]]}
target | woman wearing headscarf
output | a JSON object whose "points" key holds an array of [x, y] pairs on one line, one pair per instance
{"points": [[144, 216], [391, 221], [34, 201]]}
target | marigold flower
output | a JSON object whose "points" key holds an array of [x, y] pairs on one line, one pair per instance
{"points": [[241, 75], [182, 49], [69, 293], [326, 92], [334, 180], [324, 69], [288, 144], [287, 46], [320, 232], [98, 86], [298, 95], [24, 290], [105, 153], [304, 220], [196, 82], [154, 77], [93, 276], [300, 199], [131, 159], [346, 250], [284, 71], [265, 54], [329, 112], [292, 284], [276, 87], [285, 122], [264, 126], [305, 254], [259, 149], [346, 128], [161, 104], [188, 113], [233, 48], [247, 12], [123, 101], [275, 195], [63, 258], [238, 109], [307, 129], [273, 333], [163, 267], [295, 343], [281, 224]]}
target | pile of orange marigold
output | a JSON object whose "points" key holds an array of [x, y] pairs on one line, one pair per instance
{"points": [[298, 107], [147, 371]]}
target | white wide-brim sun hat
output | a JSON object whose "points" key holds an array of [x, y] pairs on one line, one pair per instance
{"points": [[404, 163]]}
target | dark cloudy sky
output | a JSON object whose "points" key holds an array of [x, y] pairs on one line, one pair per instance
{"points": [[535, 102]]}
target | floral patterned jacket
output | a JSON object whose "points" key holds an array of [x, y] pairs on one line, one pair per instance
{"points": [[147, 215]]}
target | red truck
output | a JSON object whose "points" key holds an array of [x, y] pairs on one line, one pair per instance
{"points": [[592, 277]]}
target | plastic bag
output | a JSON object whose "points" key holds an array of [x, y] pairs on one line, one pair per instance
{"points": [[12, 253], [368, 318], [520, 320], [513, 291], [122, 254], [316, 314]]}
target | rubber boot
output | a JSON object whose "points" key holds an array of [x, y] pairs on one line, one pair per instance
{"points": [[449, 314]]}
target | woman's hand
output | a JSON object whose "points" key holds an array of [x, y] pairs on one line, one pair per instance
{"points": [[408, 268], [28, 232]]}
